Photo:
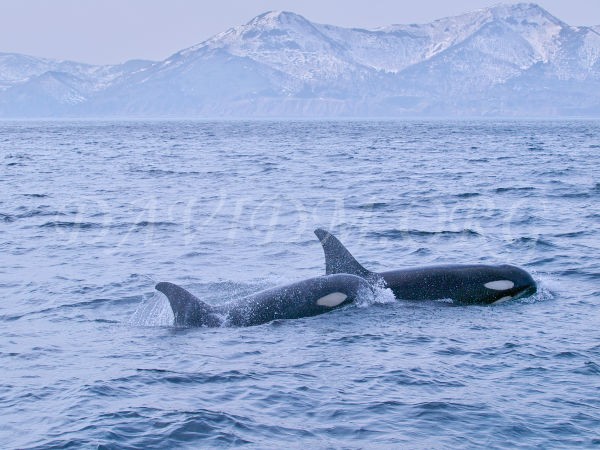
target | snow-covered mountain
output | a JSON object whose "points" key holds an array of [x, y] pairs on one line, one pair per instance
{"points": [[506, 60], [41, 87]]}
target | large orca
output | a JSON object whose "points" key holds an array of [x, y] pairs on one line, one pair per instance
{"points": [[305, 298], [463, 284]]}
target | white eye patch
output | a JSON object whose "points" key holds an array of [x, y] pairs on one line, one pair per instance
{"points": [[500, 285], [332, 300]]}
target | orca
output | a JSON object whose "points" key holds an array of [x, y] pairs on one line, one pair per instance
{"points": [[305, 298], [462, 284]]}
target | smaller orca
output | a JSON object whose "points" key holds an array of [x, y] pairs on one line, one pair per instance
{"points": [[463, 284], [305, 298]]}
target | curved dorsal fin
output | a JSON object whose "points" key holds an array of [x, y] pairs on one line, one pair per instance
{"points": [[188, 309], [337, 258]]}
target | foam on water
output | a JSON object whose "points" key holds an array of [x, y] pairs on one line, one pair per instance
{"points": [[154, 310], [379, 294]]}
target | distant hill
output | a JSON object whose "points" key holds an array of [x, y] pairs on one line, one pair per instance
{"points": [[508, 60]]}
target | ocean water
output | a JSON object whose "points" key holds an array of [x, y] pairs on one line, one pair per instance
{"points": [[92, 214]]}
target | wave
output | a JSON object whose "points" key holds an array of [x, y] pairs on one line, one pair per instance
{"points": [[36, 195], [96, 225], [71, 225], [532, 241], [589, 368], [60, 310], [147, 223], [575, 195], [163, 172], [154, 376], [40, 212], [441, 411], [501, 190], [18, 156], [374, 206], [146, 427], [572, 234], [401, 234]]}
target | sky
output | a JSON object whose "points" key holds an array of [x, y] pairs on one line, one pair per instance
{"points": [[114, 31]]}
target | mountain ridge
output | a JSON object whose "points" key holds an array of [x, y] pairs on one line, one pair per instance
{"points": [[512, 60]]}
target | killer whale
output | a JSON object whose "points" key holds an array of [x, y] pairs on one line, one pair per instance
{"points": [[463, 284], [304, 298]]}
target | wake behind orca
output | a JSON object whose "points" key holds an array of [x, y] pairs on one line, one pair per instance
{"points": [[463, 284], [305, 298]]}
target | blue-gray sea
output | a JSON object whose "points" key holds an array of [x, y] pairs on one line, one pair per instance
{"points": [[92, 214]]}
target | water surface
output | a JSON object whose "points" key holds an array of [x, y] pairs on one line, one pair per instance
{"points": [[93, 213]]}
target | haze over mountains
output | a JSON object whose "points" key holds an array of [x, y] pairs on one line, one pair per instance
{"points": [[508, 60]]}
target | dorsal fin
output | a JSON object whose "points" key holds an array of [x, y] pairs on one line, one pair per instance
{"points": [[337, 258], [188, 309]]}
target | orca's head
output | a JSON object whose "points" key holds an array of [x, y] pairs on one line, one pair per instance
{"points": [[506, 282], [340, 289]]}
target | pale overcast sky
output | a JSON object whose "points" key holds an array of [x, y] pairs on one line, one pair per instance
{"points": [[113, 31]]}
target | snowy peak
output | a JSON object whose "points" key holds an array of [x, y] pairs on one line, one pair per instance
{"points": [[273, 26], [284, 41], [269, 31], [536, 25], [16, 69], [278, 19], [524, 13], [540, 28]]}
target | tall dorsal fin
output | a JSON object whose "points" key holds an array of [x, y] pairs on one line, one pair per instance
{"points": [[337, 258], [188, 309]]}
